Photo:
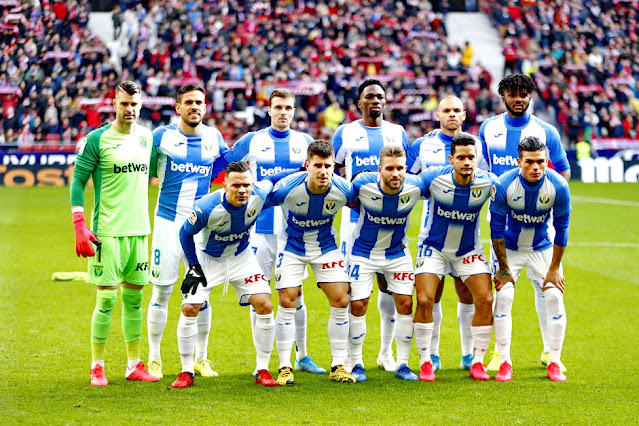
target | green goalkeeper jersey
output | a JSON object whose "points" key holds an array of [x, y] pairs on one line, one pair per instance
{"points": [[119, 165]]}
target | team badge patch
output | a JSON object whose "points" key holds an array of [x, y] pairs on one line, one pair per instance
{"points": [[192, 218], [389, 140], [296, 150], [208, 146], [251, 213], [544, 198], [278, 276], [98, 270], [155, 272], [493, 192], [475, 193], [143, 142], [404, 199], [419, 264], [329, 206]]}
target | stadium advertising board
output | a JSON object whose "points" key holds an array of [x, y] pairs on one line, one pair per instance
{"points": [[36, 169], [604, 170]]}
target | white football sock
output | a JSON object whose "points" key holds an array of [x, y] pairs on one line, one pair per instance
{"points": [[300, 329], [263, 338], [253, 318], [157, 317], [203, 331], [423, 337], [186, 332], [504, 321], [338, 326], [284, 334], [556, 312], [481, 340], [437, 322], [386, 305], [542, 316], [356, 336], [403, 337], [465, 314]]}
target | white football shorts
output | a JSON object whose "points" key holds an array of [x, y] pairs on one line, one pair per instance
{"points": [[398, 272], [290, 269]]}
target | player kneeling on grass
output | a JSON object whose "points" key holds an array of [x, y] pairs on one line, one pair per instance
{"points": [[385, 200], [309, 202], [457, 194], [223, 221], [520, 211], [117, 157]]}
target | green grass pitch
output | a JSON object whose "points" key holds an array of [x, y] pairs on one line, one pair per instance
{"points": [[45, 352]]}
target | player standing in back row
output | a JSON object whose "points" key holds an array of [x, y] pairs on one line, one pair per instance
{"points": [[117, 157], [186, 152], [500, 136], [276, 149], [357, 146]]}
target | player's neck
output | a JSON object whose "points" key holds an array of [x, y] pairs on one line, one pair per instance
{"points": [[315, 189], [517, 121], [191, 131], [463, 180], [280, 132], [388, 190], [123, 128], [450, 133], [372, 122]]}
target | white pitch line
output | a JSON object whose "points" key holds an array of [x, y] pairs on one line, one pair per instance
{"points": [[604, 201]]}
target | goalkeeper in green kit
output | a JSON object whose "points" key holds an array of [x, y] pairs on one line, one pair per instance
{"points": [[117, 156]]}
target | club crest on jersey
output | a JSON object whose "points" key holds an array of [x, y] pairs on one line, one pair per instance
{"points": [[250, 214], [208, 146], [329, 206], [278, 276], [155, 272], [419, 264], [296, 150], [544, 198], [404, 199], [389, 139], [192, 218], [143, 142], [475, 193], [98, 270]]}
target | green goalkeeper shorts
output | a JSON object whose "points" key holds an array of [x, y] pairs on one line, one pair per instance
{"points": [[120, 259]]}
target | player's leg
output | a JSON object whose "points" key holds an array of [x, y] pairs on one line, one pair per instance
{"points": [[361, 276], [165, 262], [465, 313], [437, 321], [285, 333], [204, 366], [495, 362], [387, 318], [264, 248], [425, 287], [105, 272], [253, 289], [186, 335], [401, 284], [134, 255]]}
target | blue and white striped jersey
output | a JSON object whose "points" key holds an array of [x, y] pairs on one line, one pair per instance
{"points": [[520, 210], [500, 136], [433, 150], [268, 152], [309, 217], [381, 231], [453, 210], [185, 168], [223, 228], [357, 147]]}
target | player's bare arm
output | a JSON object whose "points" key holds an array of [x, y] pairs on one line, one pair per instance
{"points": [[503, 275], [554, 275]]}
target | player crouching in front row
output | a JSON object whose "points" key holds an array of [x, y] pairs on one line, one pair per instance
{"points": [[225, 218]]}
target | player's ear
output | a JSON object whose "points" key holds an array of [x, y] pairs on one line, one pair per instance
{"points": [[519, 161], [177, 107], [450, 158]]}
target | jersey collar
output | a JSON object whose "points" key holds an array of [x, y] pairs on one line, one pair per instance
{"points": [[279, 135], [517, 121]]}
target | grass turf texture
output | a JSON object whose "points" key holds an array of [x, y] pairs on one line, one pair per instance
{"points": [[45, 328]]}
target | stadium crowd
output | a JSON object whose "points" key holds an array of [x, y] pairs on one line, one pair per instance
{"points": [[582, 56]]}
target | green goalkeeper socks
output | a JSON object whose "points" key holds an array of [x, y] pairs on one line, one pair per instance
{"points": [[132, 320], [101, 321]]}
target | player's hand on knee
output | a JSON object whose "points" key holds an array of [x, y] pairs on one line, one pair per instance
{"points": [[502, 277], [194, 278], [83, 236], [555, 278]]}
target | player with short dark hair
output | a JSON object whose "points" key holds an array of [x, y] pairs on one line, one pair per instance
{"points": [[500, 136], [224, 220], [186, 156], [357, 146], [117, 157], [523, 201]]}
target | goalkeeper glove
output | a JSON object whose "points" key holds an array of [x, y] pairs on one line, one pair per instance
{"points": [[83, 237], [194, 277]]}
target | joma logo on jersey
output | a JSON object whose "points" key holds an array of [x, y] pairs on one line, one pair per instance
{"points": [[329, 206], [472, 258], [373, 160], [475, 193], [507, 160], [142, 266], [131, 168], [404, 276], [544, 198], [254, 278], [404, 199], [333, 265]]}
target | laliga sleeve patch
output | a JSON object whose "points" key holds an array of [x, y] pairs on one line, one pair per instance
{"points": [[193, 218], [492, 193]]}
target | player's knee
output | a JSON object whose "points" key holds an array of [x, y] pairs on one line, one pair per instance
{"points": [[105, 300], [553, 295], [358, 308], [190, 310], [424, 302], [483, 302], [161, 294], [262, 304], [404, 305], [288, 299]]}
